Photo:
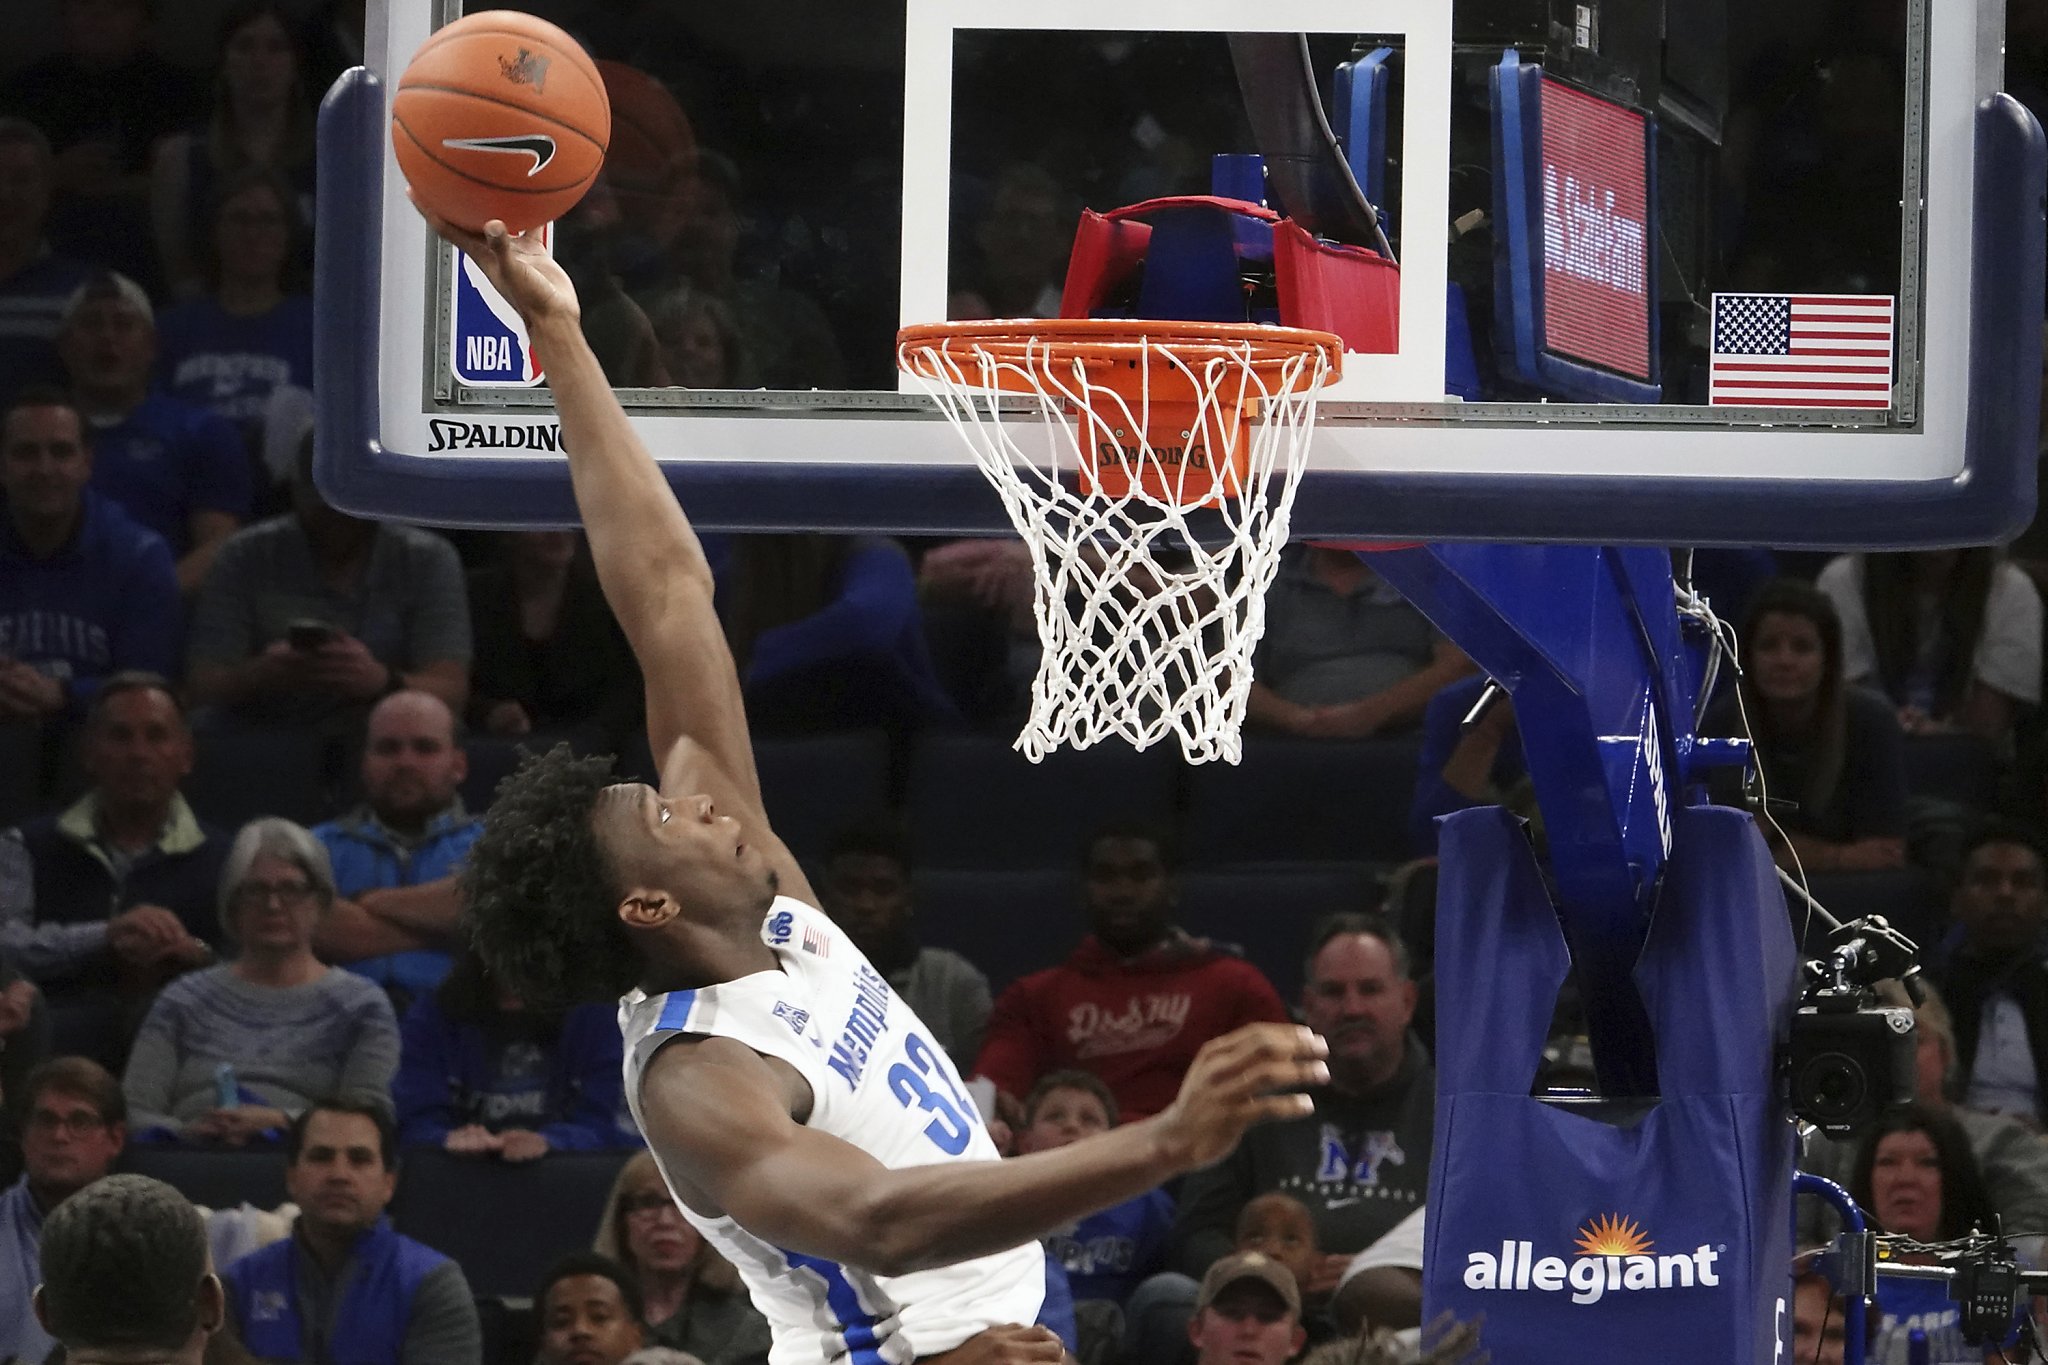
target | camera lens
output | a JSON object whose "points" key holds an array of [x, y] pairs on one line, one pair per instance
{"points": [[1831, 1085]]}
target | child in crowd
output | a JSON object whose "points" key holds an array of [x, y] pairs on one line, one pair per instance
{"points": [[1281, 1226], [1105, 1254]]}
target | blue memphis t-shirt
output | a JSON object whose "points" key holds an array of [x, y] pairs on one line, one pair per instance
{"points": [[231, 365], [1106, 1254], [168, 459]]}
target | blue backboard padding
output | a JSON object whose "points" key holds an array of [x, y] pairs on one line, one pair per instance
{"points": [[1991, 500]]}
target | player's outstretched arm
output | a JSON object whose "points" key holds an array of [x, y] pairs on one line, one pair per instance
{"points": [[649, 561], [719, 1117]]}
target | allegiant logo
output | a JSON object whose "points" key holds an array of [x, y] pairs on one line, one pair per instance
{"points": [[1613, 1255]]}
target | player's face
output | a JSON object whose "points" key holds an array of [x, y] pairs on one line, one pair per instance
{"points": [[1905, 1185], [681, 848], [1813, 1344], [867, 895], [1129, 894], [1062, 1117], [1788, 657], [1280, 1227], [1248, 1324], [585, 1321], [2000, 901], [1357, 999]]}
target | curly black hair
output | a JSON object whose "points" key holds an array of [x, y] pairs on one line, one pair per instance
{"points": [[541, 897], [122, 1261]]}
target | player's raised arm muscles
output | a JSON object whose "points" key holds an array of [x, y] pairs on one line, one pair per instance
{"points": [[718, 1116], [649, 561]]}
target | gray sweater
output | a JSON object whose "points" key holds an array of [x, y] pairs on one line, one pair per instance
{"points": [[333, 1037]]}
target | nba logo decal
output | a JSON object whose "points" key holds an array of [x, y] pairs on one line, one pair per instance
{"points": [[488, 344]]}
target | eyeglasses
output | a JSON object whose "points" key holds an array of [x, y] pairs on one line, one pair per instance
{"points": [[82, 1124], [291, 895], [647, 1205]]}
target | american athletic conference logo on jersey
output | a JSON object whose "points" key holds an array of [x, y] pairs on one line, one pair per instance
{"points": [[789, 1014], [1613, 1255], [781, 925]]}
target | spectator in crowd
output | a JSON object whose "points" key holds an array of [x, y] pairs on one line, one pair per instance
{"points": [[1020, 248], [2010, 1155], [344, 1286], [551, 662], [590, 1313], [1344, 656], [35, 281], [310, 617], [788, 341], [692, 1297], [77, 1122], [1139, 996], [826, 633], [1832, 749], [1915, 1176], [125, 1272], [702, 346], [482, 1073], [261, 120], [174, 467], [103, 902], [1360, 1162], [1994, 971], [1953, 637], [1247, 1312], [24, 1044], [233, 1054], [1462, 766], [1819, 1321], [250, 333], [105, 100], [587, 244], [84, 590], [1105, 1254], [395, 856], [1279, 1226], [866, 889]]}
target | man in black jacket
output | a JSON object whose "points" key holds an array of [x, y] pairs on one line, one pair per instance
{"points": [[1996, 975]]}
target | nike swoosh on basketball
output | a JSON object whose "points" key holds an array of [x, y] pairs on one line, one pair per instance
{"points": [[539, 146]]}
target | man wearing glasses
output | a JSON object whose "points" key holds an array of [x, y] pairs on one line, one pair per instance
{"points": [[77, 1121]]}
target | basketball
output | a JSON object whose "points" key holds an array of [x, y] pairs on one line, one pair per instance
{"points": [[500, 115]]}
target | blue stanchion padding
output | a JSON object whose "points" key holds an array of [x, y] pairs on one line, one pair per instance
{"points": [[1662, 1234]]}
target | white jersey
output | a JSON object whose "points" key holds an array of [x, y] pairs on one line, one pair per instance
{"points": [[879, 1082]]}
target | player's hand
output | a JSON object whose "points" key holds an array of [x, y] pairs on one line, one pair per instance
{"points": [[516, 266], [1005, 1345], [1246, 1077]]}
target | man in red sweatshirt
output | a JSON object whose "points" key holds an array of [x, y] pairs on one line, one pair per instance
{"points": [[1137, 999]]}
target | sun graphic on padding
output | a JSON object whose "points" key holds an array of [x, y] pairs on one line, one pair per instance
{"points": [[1613, 1235]]}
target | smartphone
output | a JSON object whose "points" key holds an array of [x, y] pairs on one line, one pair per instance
{"points": [[307, 636]]}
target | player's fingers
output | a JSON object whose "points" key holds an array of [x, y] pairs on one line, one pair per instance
{"points": [[1272, 1108]]}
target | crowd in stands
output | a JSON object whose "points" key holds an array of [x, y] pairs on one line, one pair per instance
{"points": [[245, 740]]}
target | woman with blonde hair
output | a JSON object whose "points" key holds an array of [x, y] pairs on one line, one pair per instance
{"points": [[693, 1296], [232, 1054]]}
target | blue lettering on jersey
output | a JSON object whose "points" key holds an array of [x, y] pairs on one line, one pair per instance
{"points": [[863, 1026], [780, 925], [910, 1081]]}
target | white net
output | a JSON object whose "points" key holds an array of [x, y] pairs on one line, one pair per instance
{"points": [[1149, 605]]}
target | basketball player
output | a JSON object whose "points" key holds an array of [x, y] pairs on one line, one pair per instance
{"points": [[801, 1114]]}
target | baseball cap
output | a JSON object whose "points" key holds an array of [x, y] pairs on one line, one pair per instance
{"points": [[109, 284], [1249, 1265]]}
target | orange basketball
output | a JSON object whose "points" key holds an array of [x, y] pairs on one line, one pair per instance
{"points": [[500, 115]]}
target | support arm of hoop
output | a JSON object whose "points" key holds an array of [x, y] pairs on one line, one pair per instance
{"points": [[1588, 643]]}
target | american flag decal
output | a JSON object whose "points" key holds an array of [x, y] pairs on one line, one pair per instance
{"points": [[1802, 350], [816, 942]]}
